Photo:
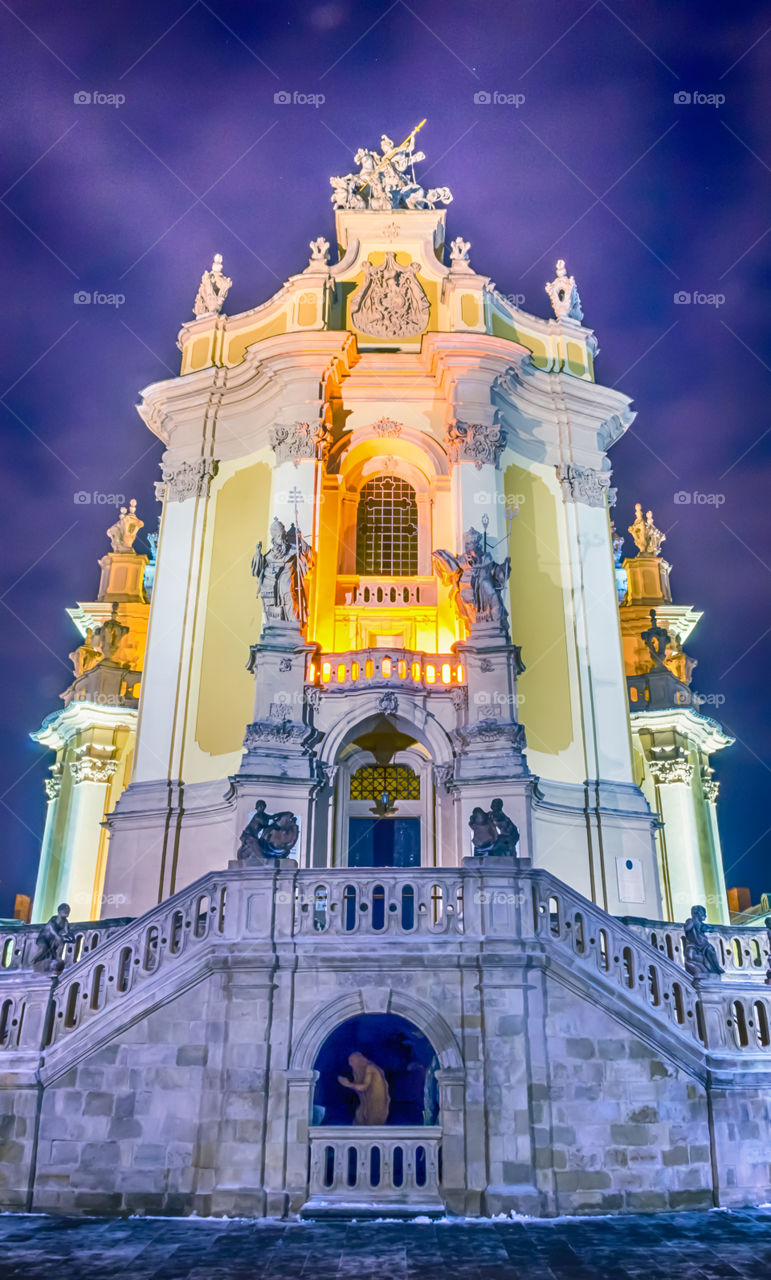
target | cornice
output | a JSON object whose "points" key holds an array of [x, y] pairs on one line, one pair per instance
{"points": [[702, 731], [60, 727]]}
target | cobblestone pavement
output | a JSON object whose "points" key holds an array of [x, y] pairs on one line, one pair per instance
{"points": [[683, 1246]]}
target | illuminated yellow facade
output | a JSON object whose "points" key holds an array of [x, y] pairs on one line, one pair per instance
{"points": [[391, 406]]}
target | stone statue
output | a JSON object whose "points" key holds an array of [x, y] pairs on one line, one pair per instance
{"points": [[700, 956], [370, 1084], [493, 833], [656, 638], [459, 252], [126, 528], [319, 252], [268, 835], [109, 637], [85, 657], [385, 180], [280, 572], [52, 938], [391, 302], [563, 295], [647, 537], [617, 543], [212, 291], [679, 662], [478, 578]]}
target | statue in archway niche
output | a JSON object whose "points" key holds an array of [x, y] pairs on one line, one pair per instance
{"points": [[371, 1086], [280, 572], [478, 579]]}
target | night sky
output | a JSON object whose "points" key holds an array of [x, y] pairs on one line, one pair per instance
{"points": [[644, 196]]}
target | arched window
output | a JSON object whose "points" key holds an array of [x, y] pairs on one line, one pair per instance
{"points": [[387, 528]]}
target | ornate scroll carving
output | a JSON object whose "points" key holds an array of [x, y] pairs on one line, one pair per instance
{"points": [[584, 484], [391, 302], [387, 428], [283, 731], [475, 442], [53, 785], [671, 770], [185, 480], [92, 768], [296, 440], [489, 732]]}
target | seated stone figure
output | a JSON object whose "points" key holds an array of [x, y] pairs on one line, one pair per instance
{"points": [[700, 956], [52, 938], [370, 1084]]}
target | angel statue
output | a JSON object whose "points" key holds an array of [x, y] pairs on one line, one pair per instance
{"points": [[280, 572], [478, 579]]}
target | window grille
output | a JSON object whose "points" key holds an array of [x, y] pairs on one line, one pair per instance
{"points": [[399, 780], [387, 528]]}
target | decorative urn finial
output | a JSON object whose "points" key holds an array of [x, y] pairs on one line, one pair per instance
{"points": [[212, 291], [563, 295]]}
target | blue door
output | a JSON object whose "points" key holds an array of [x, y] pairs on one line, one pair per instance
{"points": [[384, 842]]}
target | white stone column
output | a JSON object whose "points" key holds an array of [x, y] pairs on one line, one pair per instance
{"points": [[45, 887], [597, 633], [91, 776], [163, 708]]}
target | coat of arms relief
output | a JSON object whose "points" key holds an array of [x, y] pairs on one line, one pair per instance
{"points": [[391, 302]]}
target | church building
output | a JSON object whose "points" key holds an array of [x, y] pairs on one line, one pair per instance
{"points": [[382, 795]]}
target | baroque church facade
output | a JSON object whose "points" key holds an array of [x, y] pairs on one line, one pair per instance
{"points": [[382, 794]]}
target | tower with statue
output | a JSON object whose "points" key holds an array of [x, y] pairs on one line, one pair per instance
{"points": [[401, 789]]}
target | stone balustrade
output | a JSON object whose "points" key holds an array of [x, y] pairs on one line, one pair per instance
{"points": [[18, 943], [390, 1165], [386, 668], [742, 950], [392, 593], [484, 907], [135, 955], [416, 902]]}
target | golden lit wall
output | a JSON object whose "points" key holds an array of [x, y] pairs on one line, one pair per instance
{"points": [[232, 620], [538, 614]]}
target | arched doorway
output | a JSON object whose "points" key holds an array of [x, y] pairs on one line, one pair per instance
{"points": [[394, 1165], [384, 799], [399, 1049]]}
